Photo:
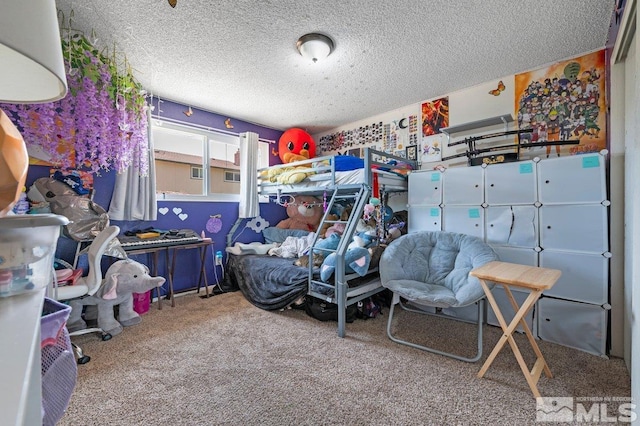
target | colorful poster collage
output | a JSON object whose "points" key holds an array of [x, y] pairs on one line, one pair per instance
{"points": [[392, 137], [564, 102]]}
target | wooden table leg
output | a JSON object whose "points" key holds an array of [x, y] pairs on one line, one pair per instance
{"points": [[527, 331], [540, 365]]}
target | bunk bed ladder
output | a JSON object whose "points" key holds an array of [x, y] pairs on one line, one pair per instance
{"points": [[358, 197]]}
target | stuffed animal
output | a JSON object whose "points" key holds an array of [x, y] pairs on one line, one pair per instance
{"points": [[356, 260], [296, 145], [121, 280], [357, 257], [286, 175], [304, 213], [330, 218], [338, 228]]}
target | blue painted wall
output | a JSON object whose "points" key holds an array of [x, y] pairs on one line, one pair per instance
{"points": [[184, 214]]}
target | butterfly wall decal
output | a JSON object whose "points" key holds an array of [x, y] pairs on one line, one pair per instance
{"points": [[496, 92], [188, 112], [228, 124], [173, 3]]}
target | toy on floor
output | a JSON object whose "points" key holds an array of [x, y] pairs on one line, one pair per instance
{"points": [[122, 279]]}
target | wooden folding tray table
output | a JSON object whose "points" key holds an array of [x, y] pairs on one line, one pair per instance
{"points": [[532, 278]]}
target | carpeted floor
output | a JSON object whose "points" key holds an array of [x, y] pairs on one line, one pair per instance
{"points": [[222, 361]]}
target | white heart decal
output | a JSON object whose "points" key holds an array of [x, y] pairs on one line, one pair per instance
{"points": [[183, 216], [163, 210], [177, 210]]}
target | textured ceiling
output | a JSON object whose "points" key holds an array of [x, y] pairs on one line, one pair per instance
{"points": [[238, 58]]}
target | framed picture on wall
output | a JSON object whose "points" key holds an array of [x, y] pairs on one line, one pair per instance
{"points": [[412, 152]]}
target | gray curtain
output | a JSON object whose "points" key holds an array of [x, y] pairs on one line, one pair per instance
{"points": [[134, 196], [249, 204]]}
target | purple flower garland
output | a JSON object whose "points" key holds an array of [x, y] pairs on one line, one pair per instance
{"points": [[100, 125]]}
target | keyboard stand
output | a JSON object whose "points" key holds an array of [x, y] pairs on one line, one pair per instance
{"points": [[202, 246], [171, 267]]}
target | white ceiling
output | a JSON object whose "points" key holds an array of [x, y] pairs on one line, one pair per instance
{"points": [[238, 58]]}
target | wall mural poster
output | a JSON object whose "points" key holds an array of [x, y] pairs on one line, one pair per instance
{"points": [[435, 115], [565, 101]]}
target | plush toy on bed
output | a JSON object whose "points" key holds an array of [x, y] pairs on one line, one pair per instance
{"points": [[356, 259], [294, 145], [304, 213], [338, 228]]}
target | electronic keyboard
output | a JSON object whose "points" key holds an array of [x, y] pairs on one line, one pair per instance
{"points": [[136, 244]]}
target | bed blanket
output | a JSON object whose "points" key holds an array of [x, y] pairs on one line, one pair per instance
{"points": [[268, 282], [293, 247]]}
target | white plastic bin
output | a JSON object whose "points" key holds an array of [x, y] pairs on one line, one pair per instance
{"points": [[27, 247]]}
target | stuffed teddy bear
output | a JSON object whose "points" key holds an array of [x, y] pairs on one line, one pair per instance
{"points": [[122, 279], [305, 213]]}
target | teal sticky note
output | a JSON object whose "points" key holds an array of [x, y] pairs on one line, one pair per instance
{"points": [[435, 212], [526, 168], [474, 213], [590, 161], [435, 177]]}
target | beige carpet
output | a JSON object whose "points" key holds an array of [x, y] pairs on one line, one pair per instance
{"points": [[222, 361]]}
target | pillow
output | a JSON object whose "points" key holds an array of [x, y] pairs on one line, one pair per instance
{"points": [[278, 235], [348, 162]]}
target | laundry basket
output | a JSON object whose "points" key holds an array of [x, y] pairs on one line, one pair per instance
{"points": [[59, 368]]}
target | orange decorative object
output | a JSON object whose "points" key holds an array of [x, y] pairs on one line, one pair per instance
{"points": [[296, 145], [14, 162]]}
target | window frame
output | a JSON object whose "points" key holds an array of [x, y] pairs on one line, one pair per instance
{"points": [[208, 133], [234, 173], [200, 175]]}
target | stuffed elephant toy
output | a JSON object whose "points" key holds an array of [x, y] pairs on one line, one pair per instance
{"points": [[122, 279]]}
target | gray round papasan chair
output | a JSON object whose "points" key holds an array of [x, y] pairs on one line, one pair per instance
{"points": [[431, 269]]}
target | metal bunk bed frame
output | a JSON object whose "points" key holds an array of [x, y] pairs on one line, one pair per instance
{"points": [[358, 195]]}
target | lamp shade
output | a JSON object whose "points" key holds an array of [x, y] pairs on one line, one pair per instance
{"points": [[315, 46], [31, 65]]}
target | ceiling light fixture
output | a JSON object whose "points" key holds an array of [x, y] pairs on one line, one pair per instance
{"points": [[315, 46]]}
